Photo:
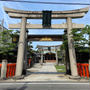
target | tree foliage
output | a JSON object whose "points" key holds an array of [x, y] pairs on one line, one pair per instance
{"points": [[81, 39], [6, 44]]}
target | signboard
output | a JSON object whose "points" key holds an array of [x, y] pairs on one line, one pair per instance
{"points": [[46, 39]]}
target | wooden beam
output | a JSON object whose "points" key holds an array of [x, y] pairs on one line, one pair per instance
{"points": [[39, 26], [39, 46], [45, 37]]}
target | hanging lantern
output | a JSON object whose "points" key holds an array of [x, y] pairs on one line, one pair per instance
{"points": [[14, 39]]}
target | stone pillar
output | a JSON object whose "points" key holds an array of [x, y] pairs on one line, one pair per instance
{"points": [[25, 54], [89, 66], [71, 49], [66, 56], [4, 69], [41, 59], [68, 70], [56, 58], [89, 54], [21, 48], [26, 44]]}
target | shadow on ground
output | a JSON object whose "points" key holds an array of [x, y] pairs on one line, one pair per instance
{"points": [[16, 88], [53, 73]]}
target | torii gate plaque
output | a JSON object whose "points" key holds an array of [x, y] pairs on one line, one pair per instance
{"points": [[24, 15]]}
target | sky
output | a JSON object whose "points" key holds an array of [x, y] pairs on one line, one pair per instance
{"points": [[39, 7]]}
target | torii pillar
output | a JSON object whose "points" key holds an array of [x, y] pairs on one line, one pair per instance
{"points": [[56, 56], [71, 48], [25, 54], [41, 59], [41, 62], [21, 47]]}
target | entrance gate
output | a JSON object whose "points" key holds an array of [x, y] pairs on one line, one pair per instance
{"points": [[47, 51], [24, 15]]}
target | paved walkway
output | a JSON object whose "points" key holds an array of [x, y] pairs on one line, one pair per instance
{"points": [[46, 72], [45, 68]]}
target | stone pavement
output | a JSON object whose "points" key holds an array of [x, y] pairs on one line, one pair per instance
{"points": [[46, 72]]}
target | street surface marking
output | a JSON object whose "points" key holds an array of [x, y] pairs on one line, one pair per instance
{"points": [[44, 83]]}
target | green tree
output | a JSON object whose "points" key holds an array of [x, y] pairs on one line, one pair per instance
{"points": [[87, 31], [80, 38], [6, 44], [30, 50]]}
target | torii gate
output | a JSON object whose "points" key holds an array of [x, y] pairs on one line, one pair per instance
{"points": [[43, 48], [24, 15]]}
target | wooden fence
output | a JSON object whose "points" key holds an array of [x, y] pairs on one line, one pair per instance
{"points": [[83, 70], [11, 68]]}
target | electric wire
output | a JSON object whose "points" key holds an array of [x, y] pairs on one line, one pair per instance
{"points": [[40, 2]]}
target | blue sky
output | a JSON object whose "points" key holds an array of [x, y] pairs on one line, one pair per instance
{"points": [[39, 7]]}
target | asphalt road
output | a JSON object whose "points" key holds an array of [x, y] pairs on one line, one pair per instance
{"points": [[45, 86]]}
